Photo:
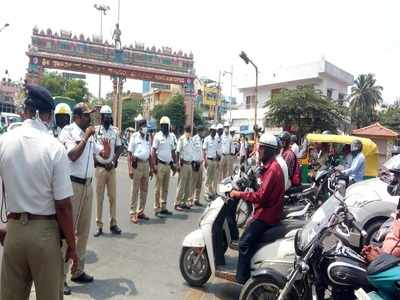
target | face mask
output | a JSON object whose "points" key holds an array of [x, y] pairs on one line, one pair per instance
{"points": [[165, 129], [227, 131], [212, 133], [143, 130], [354, 153]]}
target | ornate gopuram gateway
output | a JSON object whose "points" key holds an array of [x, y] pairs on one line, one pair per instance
{"points": [[64, 51]]}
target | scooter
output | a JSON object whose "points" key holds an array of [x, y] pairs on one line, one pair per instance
{"points": [[203, 250]]}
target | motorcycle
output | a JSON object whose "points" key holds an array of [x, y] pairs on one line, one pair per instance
{"points": [[325, 260], [203, 250]]}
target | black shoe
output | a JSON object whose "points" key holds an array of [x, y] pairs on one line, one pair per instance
{"points": [[99, 232], [166, 212], [159, 215], [67, 289], [115, 229], [84, 278], [197, 203]]}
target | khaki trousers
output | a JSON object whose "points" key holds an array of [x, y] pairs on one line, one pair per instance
{"points": [[184, 184], [231, 162], [162, 182], [212, 176], [82, 215], [105, 179], [224, 167], [32, 254], [197, 184], [140, 185]]}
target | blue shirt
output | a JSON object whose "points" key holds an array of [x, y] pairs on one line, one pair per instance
{"points": [[357, 168]]}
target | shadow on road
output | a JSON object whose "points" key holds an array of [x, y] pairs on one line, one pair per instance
{"points": [[178, 217], [107, 288], [124, 235], [219, 290], [91, 257]]}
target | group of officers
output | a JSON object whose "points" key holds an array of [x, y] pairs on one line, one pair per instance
{"points": [[47, 166]]}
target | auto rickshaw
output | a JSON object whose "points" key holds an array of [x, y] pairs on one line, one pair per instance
{"points": [[370, 151]]}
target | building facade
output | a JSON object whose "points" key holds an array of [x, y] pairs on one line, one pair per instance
{"points": [[8, 95], [322, 75]]}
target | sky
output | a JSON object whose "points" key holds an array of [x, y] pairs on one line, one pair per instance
{"points": [[359, 36]]}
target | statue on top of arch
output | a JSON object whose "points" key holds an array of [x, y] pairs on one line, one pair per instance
{"points": [[117, 37]]}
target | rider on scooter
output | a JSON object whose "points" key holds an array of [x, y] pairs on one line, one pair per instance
{"points": [[268, 204]]}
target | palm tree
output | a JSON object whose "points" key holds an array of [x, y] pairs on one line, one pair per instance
{"points": [[365, 97]]}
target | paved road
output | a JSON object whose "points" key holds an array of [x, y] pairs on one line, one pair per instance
{"points": [[143, 263]]}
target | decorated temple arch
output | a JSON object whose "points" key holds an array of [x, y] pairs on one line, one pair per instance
{"points": [[77, 53]]}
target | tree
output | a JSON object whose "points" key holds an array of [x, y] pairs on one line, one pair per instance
{"points": [[305, 110], [59, 86], [130, 110], [365, 97], [391, 116], [197, 118], [174, 109]]}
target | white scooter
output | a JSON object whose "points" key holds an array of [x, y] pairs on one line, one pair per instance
{"points": [[203, 250]]}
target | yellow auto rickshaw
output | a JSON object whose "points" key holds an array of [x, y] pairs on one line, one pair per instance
{"points": [[370, 151]]}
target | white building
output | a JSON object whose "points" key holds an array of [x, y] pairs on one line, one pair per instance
{"points": [[332, 81]]}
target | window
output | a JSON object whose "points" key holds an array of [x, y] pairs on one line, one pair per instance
{"points": [[250, 100], [329, 93]]}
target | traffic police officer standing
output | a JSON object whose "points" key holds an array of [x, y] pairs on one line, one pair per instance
{"points": [[211, 157], [140, 169], [226, 145], [34, 168], [105, 170], [164, 160], [197, 164], [81, 147], [184, 154]]}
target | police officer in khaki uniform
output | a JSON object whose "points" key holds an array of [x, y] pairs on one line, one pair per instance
{"points": [[184, 153], [233, 153], [106, 170], [164, 161], [34, 167], [226, 145], [211, 148], [197, 170], [81, 147], [140, 169]]}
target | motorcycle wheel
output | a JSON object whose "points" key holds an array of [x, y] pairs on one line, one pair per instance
{"points": [[260, 288], [243, 212], [195, 268], [371, 229]]}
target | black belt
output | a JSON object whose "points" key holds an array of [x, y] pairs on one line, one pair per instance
{"points": [[80, 180], [162, 162], [97, 164]]}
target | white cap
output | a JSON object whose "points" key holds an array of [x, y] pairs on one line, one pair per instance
{"points": [[105, 109], [226, 124], [219, 126], [268, 140], [213, 127], [165, 120], [62, 108], [139, 118]]}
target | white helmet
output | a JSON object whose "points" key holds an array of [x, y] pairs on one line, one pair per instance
{"points": [[105, 109], [226, 124], [139, 118], [219, 126], [62, 108], [268, 140], [165, 120], [213, 127]]}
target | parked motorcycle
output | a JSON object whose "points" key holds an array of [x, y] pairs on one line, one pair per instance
{"points": [[203, 250]]}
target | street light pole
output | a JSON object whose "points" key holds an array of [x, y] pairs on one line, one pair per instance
{"points": [[230, 102], [4, 26], [103, 11], [247, 60], [218, 97]]}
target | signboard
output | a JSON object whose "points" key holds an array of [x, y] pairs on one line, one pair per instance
{"points": [[70, 76]]}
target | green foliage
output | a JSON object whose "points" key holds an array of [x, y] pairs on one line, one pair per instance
{"points": [[174, 109], [197, 119], [304, 109], [130, 110], [58, 86], [365, 97], [391, 117]]}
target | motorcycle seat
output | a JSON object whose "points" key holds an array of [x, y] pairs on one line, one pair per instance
{"points": [[279, 231], [297, 189]]}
